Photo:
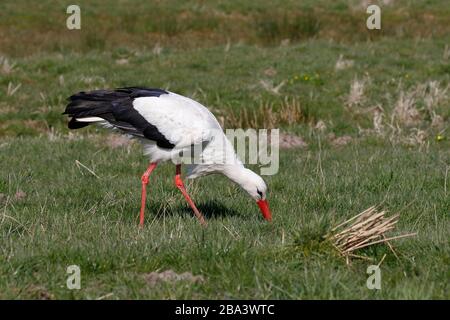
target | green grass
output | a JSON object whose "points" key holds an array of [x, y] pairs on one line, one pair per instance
{"points": [[225, 80], [218, 53], [71, 217], [107, 25]]}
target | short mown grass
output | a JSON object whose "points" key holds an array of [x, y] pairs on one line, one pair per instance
{"points": [[253, 65]]}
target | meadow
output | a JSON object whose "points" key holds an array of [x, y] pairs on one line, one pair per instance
{"points": [[364, 117]]}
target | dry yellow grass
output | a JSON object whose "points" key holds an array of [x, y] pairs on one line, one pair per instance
{"points": [[266, 115]]}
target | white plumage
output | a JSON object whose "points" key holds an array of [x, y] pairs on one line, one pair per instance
{"points": [[186, 122]]}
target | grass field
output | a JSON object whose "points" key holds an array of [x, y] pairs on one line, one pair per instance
{"points": [[372, 108]]}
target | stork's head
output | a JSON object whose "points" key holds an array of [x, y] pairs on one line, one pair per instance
{"points": [[255, 187]]}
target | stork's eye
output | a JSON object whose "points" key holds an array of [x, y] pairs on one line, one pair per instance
{"points": [[260, 193]]}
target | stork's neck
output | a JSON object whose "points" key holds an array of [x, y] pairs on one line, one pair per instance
{"points": [[236, 172], [248, 180]]}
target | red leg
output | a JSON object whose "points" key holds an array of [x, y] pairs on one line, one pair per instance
{"points": [[180, 185], [144, 180]]}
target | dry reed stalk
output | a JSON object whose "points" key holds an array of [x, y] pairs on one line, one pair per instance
{"points": [[365, 229]]}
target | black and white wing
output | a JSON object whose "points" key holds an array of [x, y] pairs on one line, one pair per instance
{"points": [[161, 116]]}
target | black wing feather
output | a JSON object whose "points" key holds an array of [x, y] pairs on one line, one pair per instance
{"points": [[116, 107]]}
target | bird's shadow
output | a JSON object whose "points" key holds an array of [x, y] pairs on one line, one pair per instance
{"points": [[210, 210]]}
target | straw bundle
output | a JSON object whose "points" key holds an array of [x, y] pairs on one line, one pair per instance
{"points": [[365, 229]]}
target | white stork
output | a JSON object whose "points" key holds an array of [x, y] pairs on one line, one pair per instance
{"points": [[167, 123]]}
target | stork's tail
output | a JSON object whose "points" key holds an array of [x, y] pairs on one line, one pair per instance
{"points": [[85, 108]]}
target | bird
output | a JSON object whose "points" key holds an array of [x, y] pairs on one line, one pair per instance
{"points": [[168, 125]]}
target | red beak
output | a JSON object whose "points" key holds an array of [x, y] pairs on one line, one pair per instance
{"points": [[264, 207]]}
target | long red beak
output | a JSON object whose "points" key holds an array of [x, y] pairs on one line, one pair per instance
{"points": [[264, 207]]}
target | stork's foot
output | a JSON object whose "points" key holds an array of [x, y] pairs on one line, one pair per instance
{"points": [[145, 179], [180, 185]]}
